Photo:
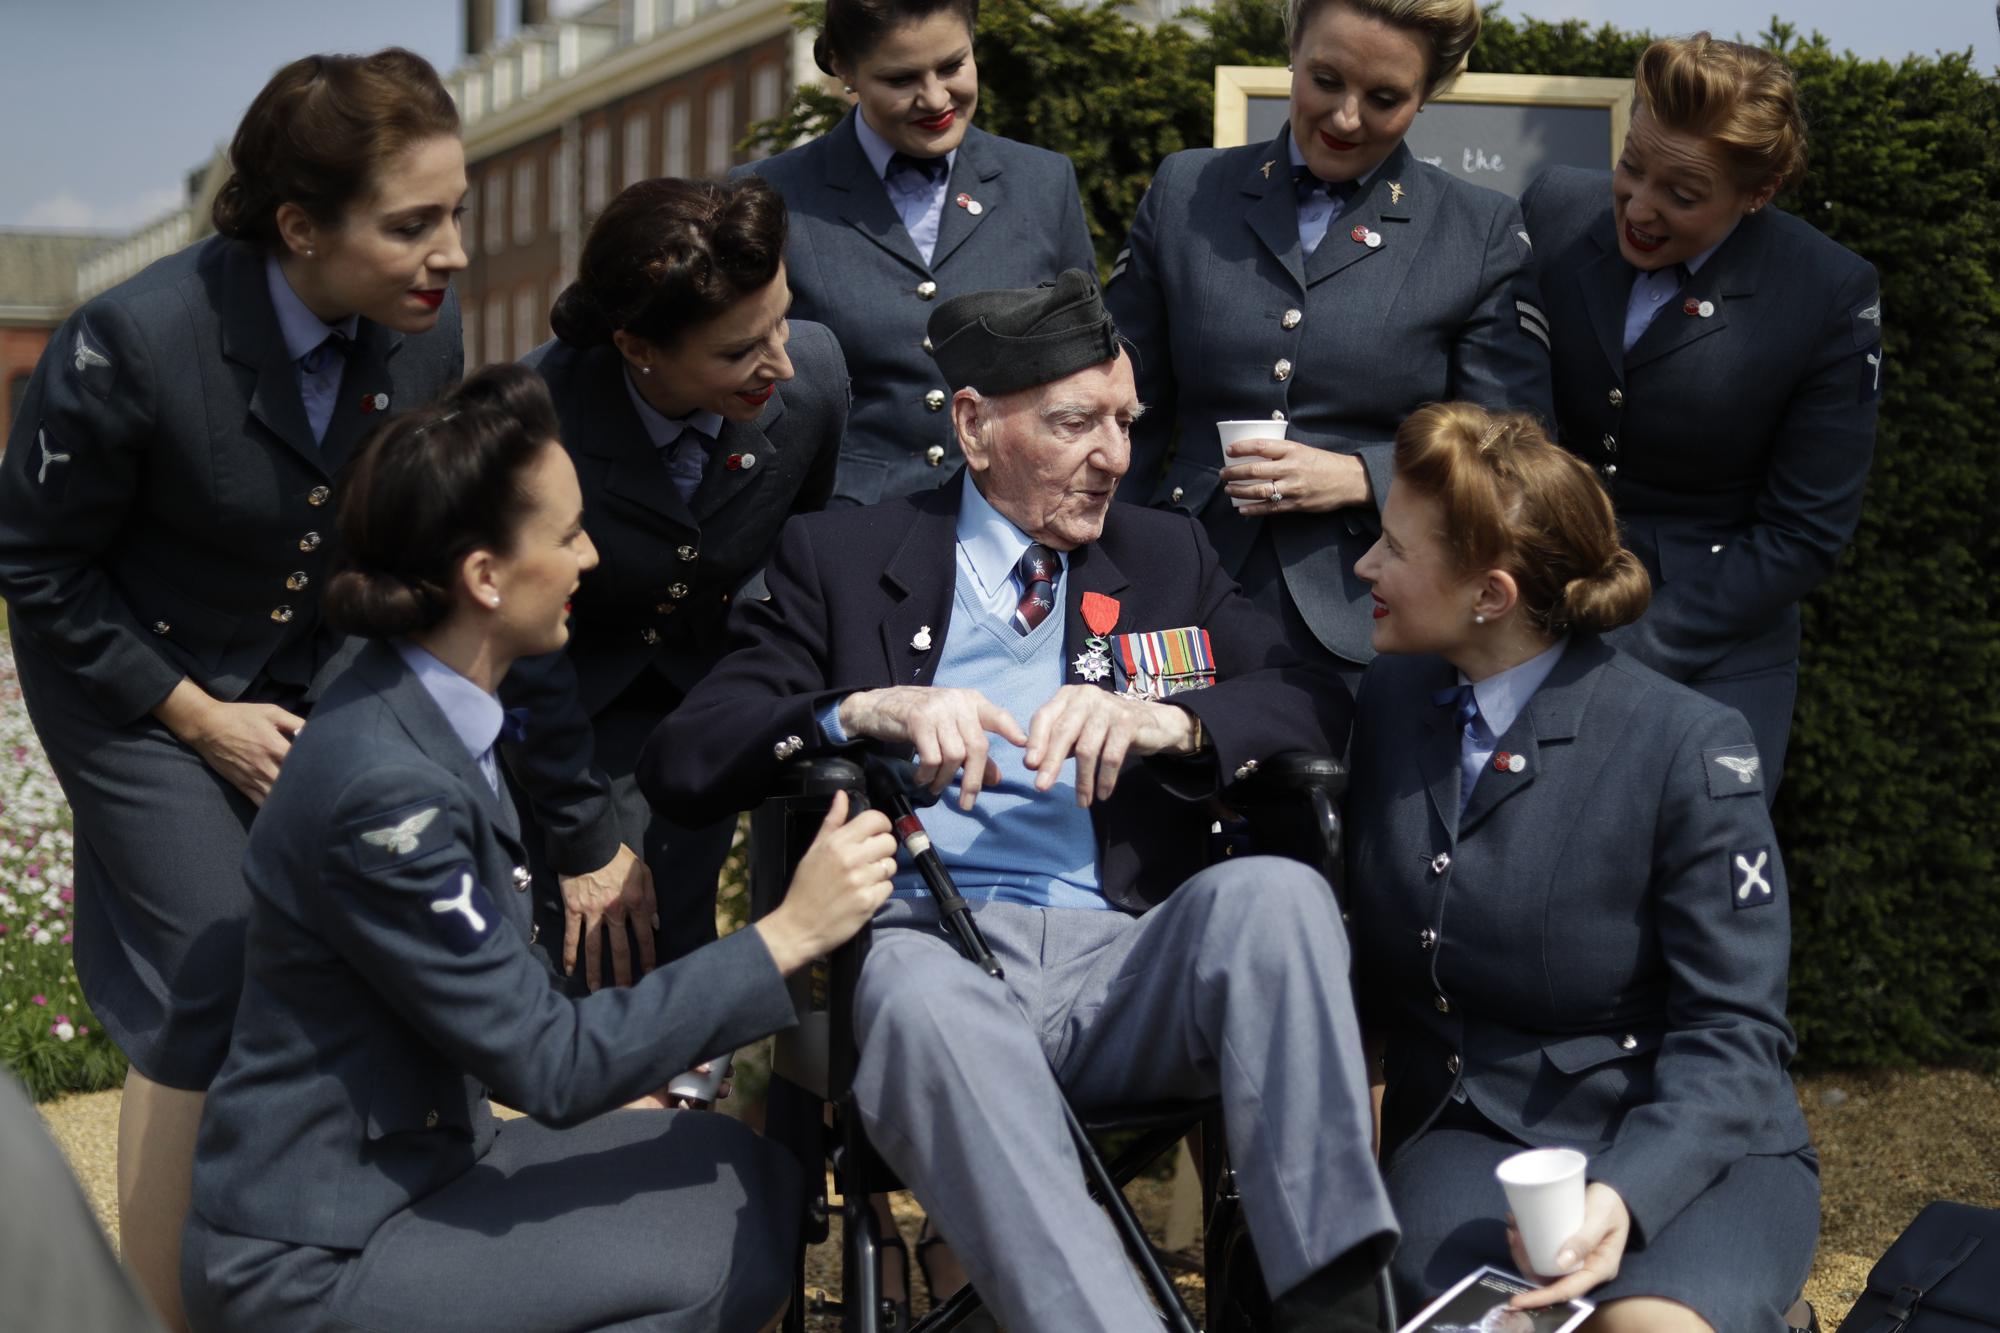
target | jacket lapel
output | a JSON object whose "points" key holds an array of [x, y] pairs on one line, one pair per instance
{"points": [[1552, 717], [719, 483], [1438, 753], [1091, 569], [921, 576], [609, 428], [1375, 209], [250, 339], [366, 379], [864, 200], [1730, 272], [1605, 287], [974, 172], [426, 725], [1273, 210]]}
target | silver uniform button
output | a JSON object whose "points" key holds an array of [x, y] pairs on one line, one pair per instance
{"points": [[1291, 318], [927, 344], [319, 495], [1616, 397], [1610, 444], [309, 542], [1427, 938], [1283, 370], [1440, 863], [535, 933], [934, 400], [1628, 1042], [296, 580], [685, 553], [649, 635], [677, 591], [522, 879], [1451, 1064], [282, 614], [1277, 414], [1443, 1004], [927, 289], [430, 1120], [1608, 471], [162, 627], [1175, 498], [934, 455], [1245, 769]]}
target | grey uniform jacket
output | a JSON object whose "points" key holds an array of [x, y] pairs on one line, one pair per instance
{"points": [[853, 267], [1230, 319], [1595, 952], [1736, 444], [392, 983], [667, 569], [164, 510]]}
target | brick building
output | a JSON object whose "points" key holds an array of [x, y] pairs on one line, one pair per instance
{"points": [[37, 290]]}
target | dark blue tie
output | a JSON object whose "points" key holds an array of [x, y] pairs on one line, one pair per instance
{"points": [[1308, 185], [932, 168], [319, 358], [514, 725], [1462, 702]]}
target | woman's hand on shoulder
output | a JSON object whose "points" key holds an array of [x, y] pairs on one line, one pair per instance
{"points": [[841, 881], [1287, 477], [1600, 1242], [245, 743]]}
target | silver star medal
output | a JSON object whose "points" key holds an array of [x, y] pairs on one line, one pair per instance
{"points": [[1142, 687], [1094, 663]]}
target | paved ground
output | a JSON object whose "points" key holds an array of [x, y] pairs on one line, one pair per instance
{"points": [[1889, 1143]]}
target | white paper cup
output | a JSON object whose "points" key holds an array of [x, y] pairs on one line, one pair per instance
{"points": [[1545, 1190], [701, 1087], [1261, 428]]}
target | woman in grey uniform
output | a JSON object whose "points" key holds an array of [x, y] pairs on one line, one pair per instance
{"points": [[165, 531], [699, 419], [351, 1172], [901, 205], [1329, 283], [1719, 362], [1570, 912]]}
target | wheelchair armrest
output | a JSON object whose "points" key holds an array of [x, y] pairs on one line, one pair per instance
{"points": [[1285, 778], [818, 778]]}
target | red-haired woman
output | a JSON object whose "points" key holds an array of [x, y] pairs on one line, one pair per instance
{"points": [[165, 528]]}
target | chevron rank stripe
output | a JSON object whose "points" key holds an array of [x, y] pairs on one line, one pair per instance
{"points": [[1533, 322]]}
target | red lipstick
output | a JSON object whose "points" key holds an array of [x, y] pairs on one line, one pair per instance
{"points": [[1380, 610], [433, 297], [941, 121], [758, 397], [1337, 145], [1643, 247]]}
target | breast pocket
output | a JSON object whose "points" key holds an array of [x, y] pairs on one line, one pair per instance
{"points": [[201, 632], [412, 1092]]}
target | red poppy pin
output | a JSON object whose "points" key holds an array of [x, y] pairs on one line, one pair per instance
{"points": [[1100, 613]]}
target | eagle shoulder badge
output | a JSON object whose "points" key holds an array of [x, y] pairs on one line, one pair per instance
{"points": [[385, 840], [93, 367], [1733, 770]]}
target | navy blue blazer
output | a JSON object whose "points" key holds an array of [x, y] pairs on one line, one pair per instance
{"points": [[853, 267], [667, 568], [851, 588], [1735, 446], [164, 511], [393, 984], [1231, 320], [1595, 953]]}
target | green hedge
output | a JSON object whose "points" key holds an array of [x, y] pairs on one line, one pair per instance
{"points": [[1888, 812]]}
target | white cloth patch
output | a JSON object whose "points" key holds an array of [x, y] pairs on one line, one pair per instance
{"points": [[1733, 770], [401, 839], [1750, 878], [50, 458], [400, 835], [462, 911], [92, 366], [1533, 322]]}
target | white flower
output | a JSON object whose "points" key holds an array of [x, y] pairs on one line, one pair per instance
{"points": [[42, 936], [65, 1031]]}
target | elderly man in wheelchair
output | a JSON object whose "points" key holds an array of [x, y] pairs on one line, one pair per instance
{"points": [[936, 623]]}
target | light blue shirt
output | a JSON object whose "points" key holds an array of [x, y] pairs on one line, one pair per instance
{"points": [[682, 441], [473, 714], [989, 548], [1501, 698], [1651, 291], [303, 332], [1319, 209], [918, 201]]}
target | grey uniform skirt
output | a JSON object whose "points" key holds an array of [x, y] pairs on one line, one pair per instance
{"points": [[1738, 1255], [662, 1221], [160, 897]]}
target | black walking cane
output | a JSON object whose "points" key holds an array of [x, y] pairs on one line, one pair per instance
{"points": [[889, 783]]}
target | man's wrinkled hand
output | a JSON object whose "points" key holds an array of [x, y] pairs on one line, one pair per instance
{"points": [[604, 902], [948, 727], [1099, 730]]}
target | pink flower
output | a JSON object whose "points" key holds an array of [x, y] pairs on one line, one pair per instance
{"points": [[5, 928], [83, 1032], [38, 999], [67, 895], [69, 938], [62, 1018]]}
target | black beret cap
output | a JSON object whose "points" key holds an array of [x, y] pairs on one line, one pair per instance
{"points": [[999, 342]]}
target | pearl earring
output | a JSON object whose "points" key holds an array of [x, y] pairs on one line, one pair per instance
{"points": [[495, 603], [645, 370], [847, 88], [1478, 619], [310, 252]]}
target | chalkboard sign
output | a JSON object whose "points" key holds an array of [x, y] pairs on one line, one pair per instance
{"points": [[1495, 130]]}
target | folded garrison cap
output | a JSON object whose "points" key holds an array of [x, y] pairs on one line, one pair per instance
{"points": [[1001, 341]]}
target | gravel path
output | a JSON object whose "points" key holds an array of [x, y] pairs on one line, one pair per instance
{"points": [[1889, 1143]]}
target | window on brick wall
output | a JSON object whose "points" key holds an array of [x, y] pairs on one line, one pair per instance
{"points": [[524, 201], [596, 168], [766, 87], [494, 340], [676, 139], [494, 206], [721, 129], [527, 321], [636, 166], [561, 182]]}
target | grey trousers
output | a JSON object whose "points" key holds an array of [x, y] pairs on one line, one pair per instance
{"points": [[1237, 985]]}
